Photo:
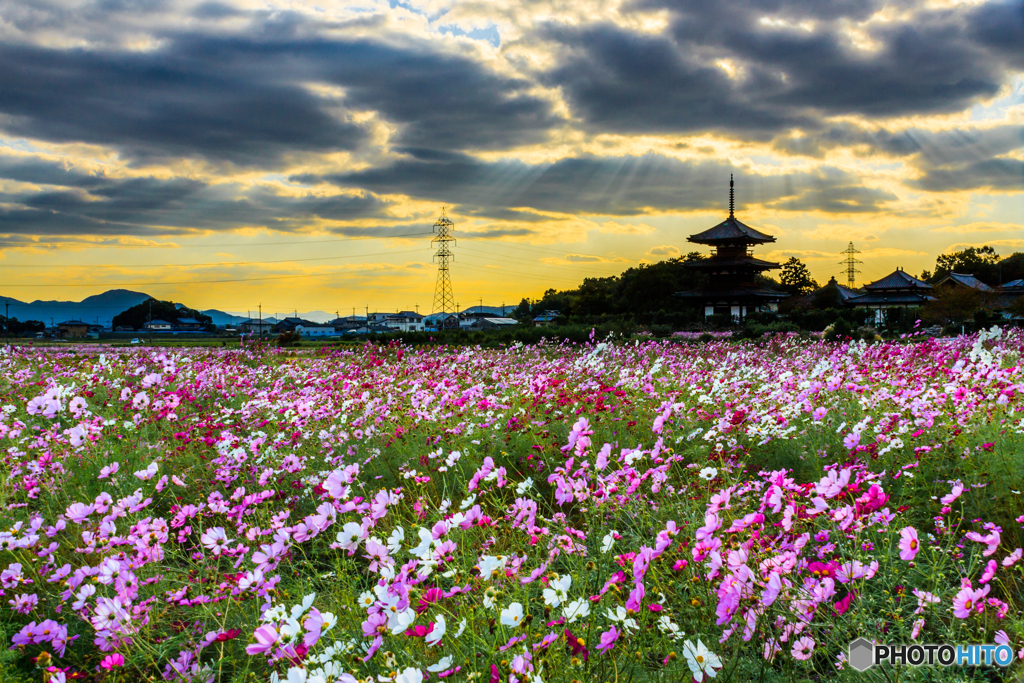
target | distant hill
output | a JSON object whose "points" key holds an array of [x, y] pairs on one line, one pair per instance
{"points": [[222, 318], [102, 307]]}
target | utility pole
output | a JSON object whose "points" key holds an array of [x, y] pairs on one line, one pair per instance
{"points": [[443, 290], [7, 322], [850, 262]]}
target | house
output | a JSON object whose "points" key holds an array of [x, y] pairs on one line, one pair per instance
{"points": [[404, 321], [124, 328], [158, 326], [255, 326], [1008, 294], [348, 322], [189, 325], [968, 281], [895, 290], [494, 323], [439, 321], [315, 331], [478, 312], [732, 287], [546, 318], [290, 323], [370, 329], [72, 329]]}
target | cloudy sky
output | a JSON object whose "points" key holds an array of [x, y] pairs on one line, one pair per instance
{"points": [[296, 153]]}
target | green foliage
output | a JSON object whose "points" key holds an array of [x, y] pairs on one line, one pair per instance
{"points": [[796, 278], [14, 326], [981, 262], [137, 316]]}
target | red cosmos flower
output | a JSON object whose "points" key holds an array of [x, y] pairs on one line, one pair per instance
{"points": [[230, 634], [576, 645]]}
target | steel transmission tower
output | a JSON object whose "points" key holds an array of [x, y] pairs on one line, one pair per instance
{"points": [[444, 300], [850, 262]]}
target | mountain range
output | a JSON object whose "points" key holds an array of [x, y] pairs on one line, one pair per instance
{"points": [[101, 308]]}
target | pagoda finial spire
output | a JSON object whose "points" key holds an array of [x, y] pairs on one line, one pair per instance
{"points": [[732, 197]]}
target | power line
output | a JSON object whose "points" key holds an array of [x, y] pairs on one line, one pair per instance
{"points": [[195, 265], [514, 259]]}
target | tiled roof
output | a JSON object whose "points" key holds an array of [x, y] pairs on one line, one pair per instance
{"points": [[873, 298], [966, 281], [1012, 284], [730, 230], [898, 279]]}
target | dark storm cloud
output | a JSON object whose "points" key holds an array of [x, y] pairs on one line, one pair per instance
{"points": [[97, 204], [961, 159], [990, 174], [243, 100], [630, 82], [626, 185]]}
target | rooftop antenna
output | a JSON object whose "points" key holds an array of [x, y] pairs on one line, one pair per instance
{"points": [[850, 262], [443, 297], [732, 198]]}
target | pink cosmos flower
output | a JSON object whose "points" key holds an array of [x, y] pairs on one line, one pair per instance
{"points": [[608, 639], [803, 648], [968, 600], [918, 625], [909, 544], [1013, 557], [990, 571], [948, 499], [266, 636], [111, 661]]}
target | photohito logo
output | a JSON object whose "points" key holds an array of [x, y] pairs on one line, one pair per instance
{"points": [[864, 654]]}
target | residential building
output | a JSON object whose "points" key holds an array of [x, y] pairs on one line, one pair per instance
{"points": [[157, 326], [189, 324], [546, 318], [72, 329], [255, 326], [494, 323], [315, 331]]}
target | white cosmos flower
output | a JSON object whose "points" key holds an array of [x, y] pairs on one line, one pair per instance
{"points": [[425, 542], [524, 486], [701, 660], [434, 637], [557, 591], [395, 540], [445, 663], [462, 627], [577, 609], [512, 615], [489, 564], [608, 541], [708, 473]]}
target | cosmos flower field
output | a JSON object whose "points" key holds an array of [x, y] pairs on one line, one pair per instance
{"points": [[612, 511]]}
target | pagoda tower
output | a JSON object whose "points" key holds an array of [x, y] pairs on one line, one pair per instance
{"points": [[732, 287]]}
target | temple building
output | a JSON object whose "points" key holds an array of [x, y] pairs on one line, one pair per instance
{"points": [[732, 270], [896, 290]]}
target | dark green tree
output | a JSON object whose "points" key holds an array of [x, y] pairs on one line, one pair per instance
{"points": [[137, 316], [796, 278], [981, 262]]}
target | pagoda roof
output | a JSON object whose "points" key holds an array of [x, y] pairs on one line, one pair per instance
{"points": [[898, 279], [731, 230], [720, 293], [725, 262]]}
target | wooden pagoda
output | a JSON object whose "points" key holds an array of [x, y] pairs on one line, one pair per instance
{"points": [[732, 270]]}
